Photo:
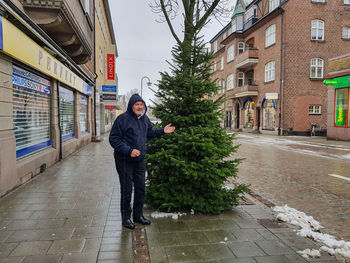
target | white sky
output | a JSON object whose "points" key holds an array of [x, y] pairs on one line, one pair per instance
{"points": [[144, 44]]}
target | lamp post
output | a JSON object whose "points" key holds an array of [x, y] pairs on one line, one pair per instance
{"points": [[148, 83]]}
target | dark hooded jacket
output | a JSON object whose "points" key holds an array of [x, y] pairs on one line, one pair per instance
{"points": [[131, 132]]}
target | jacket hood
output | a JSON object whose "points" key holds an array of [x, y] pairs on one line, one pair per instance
{"points": [[135, 98]]}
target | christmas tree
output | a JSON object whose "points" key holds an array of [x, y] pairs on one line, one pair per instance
{"points": [[188, 169]]}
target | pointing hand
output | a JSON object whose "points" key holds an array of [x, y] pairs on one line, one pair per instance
{"points": [[169, 128]]}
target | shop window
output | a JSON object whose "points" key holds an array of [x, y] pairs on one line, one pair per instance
{"points": [[83, 114], [270, 36], [316, 68], [230, 53], [317, 30], [346, 32], [31, 111], [269, 115], [249, 115], [341, 107], [270, 71], [315, 110], [66, 104]]}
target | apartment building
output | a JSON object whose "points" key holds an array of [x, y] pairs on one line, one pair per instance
{"points": [[270, 61], [47, 82]]}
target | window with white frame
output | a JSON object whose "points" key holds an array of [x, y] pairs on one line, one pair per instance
{"points": [[316, 68], [240, 79], [270, 71], [346, 2], [223, 85], [214, 66], [222, 63], [233, 25], [230, 82], [230, 53], [270, 35], [241, 47], [215, 46], [317, 30], [318, 1], [250, 13], [314, 109], [346, 32], [273, 4]]}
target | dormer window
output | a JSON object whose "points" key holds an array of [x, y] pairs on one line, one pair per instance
{"points": [[250, 13]]}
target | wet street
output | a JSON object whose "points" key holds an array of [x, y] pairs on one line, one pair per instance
{"points": [[309, 174]]}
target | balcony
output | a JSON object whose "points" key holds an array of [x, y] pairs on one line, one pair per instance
{"points": [[247, 59], [66, 22], [244, 91]]}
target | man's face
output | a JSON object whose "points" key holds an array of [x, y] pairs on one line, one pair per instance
{"points": [[138, 108]]}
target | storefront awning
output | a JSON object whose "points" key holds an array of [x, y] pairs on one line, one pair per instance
{"points": [[245, 94], [339, 82]]}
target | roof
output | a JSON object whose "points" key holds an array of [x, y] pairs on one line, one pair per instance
{"points": [[238, 10]]}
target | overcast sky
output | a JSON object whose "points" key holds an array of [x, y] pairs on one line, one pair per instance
{"points": [[143, 44]]}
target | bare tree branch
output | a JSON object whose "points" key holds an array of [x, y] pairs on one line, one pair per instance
{"points": [[168, 21]]}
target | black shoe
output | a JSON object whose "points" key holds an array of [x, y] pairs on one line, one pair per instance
{"points": [[142, 220], [128, 224]]}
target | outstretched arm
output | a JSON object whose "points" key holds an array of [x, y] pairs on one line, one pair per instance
{"points": [[169, 129]]}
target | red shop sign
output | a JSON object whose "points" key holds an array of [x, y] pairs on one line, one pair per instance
{"points": [[109, 107], [110, 66]]}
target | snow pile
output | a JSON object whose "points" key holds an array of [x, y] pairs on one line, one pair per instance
{"points": [[162, 215], [314, 253], [308, 225], [297, 218]]}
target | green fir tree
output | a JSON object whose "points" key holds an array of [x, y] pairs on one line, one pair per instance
{"points": [[188, 168]]}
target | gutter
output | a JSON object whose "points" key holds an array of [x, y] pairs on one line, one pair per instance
{"points": [[40, 34], [281, 79]]}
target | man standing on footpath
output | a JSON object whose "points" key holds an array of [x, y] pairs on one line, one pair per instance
{"points": [[128, 138]]}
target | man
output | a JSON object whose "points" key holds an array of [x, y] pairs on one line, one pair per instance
{"points": [[128, 138]]}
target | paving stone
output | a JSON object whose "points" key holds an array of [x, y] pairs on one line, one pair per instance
{"points": [[183, 253], [24, 235], [245, 249], [66, 246], [87, 232], [43, 259], [11, 260], [79, 257], [55, 234], [6, 249], [31, 248], [266, 234], [246, 234], [127, 255], [92, 245], [190, 238], [215, 251], [300, 244], [44, 214], [162, 239], [219, 236], [274, 247], [273, 259], [239, 260], [248, 223], [173, 226], [4, 235]]}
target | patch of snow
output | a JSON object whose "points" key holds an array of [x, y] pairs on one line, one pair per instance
{"points": [[313, 253], [192, 212], [162, 215], [309, 226]]}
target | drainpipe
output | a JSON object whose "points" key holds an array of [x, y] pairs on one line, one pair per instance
{"points": [[94, 23], [281, 79]]}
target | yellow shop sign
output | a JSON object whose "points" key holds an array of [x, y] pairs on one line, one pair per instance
{"points": [[18, 45]]}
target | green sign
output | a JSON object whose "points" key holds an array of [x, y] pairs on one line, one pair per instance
{"points": [[330, 82], [340, 82]]}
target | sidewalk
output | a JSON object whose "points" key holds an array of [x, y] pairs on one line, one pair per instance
{"points": [[70, 213]]}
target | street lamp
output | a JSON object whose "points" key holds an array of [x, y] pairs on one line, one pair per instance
{"points": [[148, 83]]}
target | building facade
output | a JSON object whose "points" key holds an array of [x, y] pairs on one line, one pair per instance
{"points": [[270, 61], [46, 85], [107, 79], [338, 79]]}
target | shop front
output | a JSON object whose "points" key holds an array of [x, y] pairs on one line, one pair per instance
{"points": [[45, 108], [338, 83]]}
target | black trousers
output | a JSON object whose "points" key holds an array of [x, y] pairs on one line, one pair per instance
{"points": [[131, 174]]}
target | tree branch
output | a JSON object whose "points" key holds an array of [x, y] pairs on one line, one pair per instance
{"points": [[168, 22], [204, 18]]}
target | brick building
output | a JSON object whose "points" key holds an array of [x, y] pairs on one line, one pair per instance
{"points": [[270, 61]]}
